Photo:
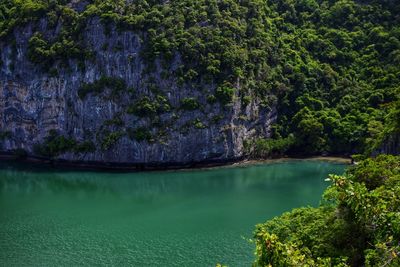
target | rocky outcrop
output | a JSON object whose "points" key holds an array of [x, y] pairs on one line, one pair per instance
{"points": [[34, 102], [391, 145]]}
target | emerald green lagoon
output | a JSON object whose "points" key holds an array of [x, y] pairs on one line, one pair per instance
{"points": [[52, 217]]}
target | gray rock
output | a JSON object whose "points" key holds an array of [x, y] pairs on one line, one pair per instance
{"points": [[32, 103]]}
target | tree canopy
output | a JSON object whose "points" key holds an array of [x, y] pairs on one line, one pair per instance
{"points": [[333, 65], [358, 223]]}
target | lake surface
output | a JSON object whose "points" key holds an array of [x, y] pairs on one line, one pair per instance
{"points": [[175, 218]]}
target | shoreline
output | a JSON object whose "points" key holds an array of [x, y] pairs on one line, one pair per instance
{"points": [[332, 159], [154, 166]]}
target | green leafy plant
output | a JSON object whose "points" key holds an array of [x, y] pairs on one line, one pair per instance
{"points": [[114, 84], [110, 139], [189, 103], [140, 134], [54, 145], [225, 93], [358, 224], [147, 107]]}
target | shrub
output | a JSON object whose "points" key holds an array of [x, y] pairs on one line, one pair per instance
{"points": [[115, 84], [265, 148], [140, 134], [191, 75], [217, 118], [198, 124], [190, 103], [211, 99], [38, 49], [225, 93], [358, 224], [116, 121], [85, 147], [54, 145], [110, 139], [146, 107], [143, 107], [64, 48], [246, 100]]}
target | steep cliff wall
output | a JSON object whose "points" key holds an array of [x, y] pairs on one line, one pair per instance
{"points": [[136, 114], [390, 146]]}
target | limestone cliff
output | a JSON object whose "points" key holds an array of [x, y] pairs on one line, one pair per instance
{"points": [[35, 102], [390, 146]]}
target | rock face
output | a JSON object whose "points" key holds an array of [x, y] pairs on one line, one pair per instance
{"points": [[390, 146], [34, 102]]}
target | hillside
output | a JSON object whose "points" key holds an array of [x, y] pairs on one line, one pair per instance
{"points": [[183, 81]]}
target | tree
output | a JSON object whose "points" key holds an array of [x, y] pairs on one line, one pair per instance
{"points": [[357, 225]]}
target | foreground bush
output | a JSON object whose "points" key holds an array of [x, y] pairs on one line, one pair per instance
{"points": [[358, 223]]}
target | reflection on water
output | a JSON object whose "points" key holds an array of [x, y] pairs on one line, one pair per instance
{"points": [[156, 183], [172, 218]]}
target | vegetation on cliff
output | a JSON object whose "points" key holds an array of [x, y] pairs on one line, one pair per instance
{"points": [[331, 68]]}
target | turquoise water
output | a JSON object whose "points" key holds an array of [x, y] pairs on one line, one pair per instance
{"points": [[174, 218]]}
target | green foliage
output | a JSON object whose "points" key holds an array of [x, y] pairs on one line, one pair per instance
{"points": [[211, 99], [114, 84], [14, 13], [225, 93], [189, 103], [43, 53], [265, 148], [84, 147], [147, 107], [116, 121], [273, 250], [66, 45], [309, 131], [246, 100], [217, 118], [198, 124], [110, 139], [140, 134], [143, 107], [374, 172], [195, 123], [381, 133], [55, 145], [333, 65], [358, 224], [340, 73], [38, 48]]}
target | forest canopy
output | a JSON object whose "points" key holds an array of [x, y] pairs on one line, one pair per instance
{"points": [[331, 68]]}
